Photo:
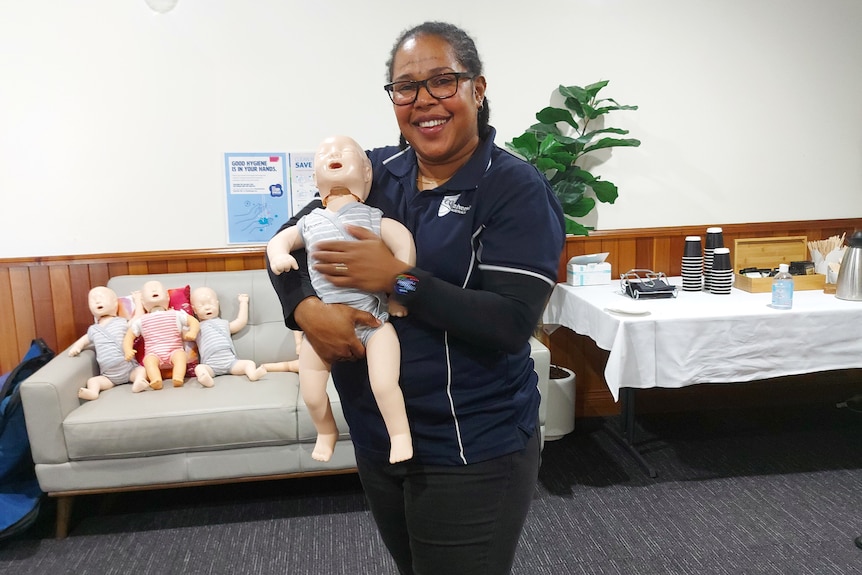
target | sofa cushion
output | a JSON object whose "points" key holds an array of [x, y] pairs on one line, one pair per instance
{"points": [[234, 413]]}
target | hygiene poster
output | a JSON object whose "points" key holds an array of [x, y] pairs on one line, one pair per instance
{"points": [[263, 191]]}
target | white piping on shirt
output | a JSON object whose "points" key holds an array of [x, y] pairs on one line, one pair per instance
{"points": [[451, 401], [487, 267], [393, 156]]}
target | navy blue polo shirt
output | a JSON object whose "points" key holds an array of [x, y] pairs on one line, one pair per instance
{"points": [[465, 402]]}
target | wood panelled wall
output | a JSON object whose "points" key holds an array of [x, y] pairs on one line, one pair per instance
{"points": [[47, 297]]}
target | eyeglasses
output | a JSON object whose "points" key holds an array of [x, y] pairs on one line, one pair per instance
{"points": [[441, 86]]}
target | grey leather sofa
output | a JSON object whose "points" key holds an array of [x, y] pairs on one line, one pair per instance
{"points": [[175, 437]]}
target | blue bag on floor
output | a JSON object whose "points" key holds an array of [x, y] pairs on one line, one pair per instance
{"points": [[20, 495]]}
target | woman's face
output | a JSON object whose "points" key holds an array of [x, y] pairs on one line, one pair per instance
{"points": [[443, 132]]}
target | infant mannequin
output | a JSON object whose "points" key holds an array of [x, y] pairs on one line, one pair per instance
{"points": [[342, 173], [163, 331], [106, 337], [215, 345]]}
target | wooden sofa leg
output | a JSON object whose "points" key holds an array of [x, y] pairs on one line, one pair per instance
{"points": [[64, 515]]}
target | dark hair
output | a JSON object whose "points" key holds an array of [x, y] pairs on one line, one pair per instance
{"points": [[465, 52]]}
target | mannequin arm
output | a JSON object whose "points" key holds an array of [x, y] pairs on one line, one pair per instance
{"points": [[279, 247], [79, 345], [129, 343], [194, 327], [139, 305], [241, 317], [399, 240]]}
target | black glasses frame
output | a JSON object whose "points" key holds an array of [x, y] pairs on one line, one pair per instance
{"points": [[424, 83]]}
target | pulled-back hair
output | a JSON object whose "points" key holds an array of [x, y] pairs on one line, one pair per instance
{"points": [[465, 52]]}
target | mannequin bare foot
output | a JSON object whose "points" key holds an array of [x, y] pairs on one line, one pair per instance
{"points": [[324, 446], [156, 384], [205, 379], [140, 385], [177, 382], [85, 393], [401, 448], [256, 374]]}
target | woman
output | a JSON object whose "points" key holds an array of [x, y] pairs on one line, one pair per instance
{"points": [[489, 233]]}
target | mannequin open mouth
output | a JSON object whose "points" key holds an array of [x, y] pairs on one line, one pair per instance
{"points": [[335, 166]]}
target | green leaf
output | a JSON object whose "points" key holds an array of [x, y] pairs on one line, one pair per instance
{"points": [[544, 164], [575, 92], [575, 106], [526, 144], [563, 156], [594, 89], [617, 105], [582, 175], [606, 192], [613, 143], [551, 115], [576, 229], [549, 145], [582, 207], [542, 130], [590, 135], [570, 195]]}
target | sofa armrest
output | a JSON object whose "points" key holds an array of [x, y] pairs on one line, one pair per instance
{"points": [[542, 364], [48, 396]]}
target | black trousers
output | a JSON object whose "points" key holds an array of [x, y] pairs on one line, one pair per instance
{"points": [[439, 520]]}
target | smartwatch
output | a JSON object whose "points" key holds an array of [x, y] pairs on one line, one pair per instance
{"points": [[405, 284]]}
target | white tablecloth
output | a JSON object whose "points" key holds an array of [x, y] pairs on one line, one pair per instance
{"points": [[699, 337]]}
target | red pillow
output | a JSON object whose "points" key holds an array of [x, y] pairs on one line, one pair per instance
{"points": [[181, 299]]}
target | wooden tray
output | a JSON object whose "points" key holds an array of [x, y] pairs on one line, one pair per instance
{"points": [[768, 253]]}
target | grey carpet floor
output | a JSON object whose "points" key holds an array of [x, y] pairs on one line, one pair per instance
{"points": [[764, 490]]}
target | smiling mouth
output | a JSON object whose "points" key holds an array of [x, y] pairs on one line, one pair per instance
{"points": [[431, 123], [335, 165]]}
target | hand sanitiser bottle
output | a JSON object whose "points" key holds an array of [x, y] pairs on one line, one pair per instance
{"points": [[782, 288]]}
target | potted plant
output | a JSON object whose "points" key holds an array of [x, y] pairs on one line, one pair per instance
{"points": [[556, 152]]}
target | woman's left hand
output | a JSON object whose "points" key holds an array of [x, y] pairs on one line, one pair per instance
{"points": [[366, 263]]}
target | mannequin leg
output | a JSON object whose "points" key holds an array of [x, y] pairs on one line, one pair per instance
{"points": [[139, 379], [205, 374], [179, 359], [248, 367], [94, 386], [383, 353], [154, 374], [313, 375], [292, 366]]}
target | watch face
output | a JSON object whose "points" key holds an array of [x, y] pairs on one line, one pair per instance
{"points": [[405, 284]]}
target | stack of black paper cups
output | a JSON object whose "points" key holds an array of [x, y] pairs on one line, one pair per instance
{"points": [[692, 264], [714, 239], [721, 278]]}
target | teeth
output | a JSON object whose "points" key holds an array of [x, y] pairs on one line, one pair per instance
{"points": [[431, 123]]}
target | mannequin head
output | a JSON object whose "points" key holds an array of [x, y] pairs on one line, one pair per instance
{"points": [[103, 302], [205, 303], [341, 167], [154, 296]]}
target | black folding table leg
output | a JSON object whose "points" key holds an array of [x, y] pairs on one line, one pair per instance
{"points": [[626, 437]]}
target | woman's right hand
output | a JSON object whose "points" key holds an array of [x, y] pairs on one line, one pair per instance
{"points": [[331, 329]]}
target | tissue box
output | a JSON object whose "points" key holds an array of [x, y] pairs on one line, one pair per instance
{"points": [[588, 274]]}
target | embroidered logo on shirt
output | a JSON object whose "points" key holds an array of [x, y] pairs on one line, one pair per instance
{"points": [[450, 204]]}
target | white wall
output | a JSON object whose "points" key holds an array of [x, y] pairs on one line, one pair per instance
{"points": [[114, 119]]}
